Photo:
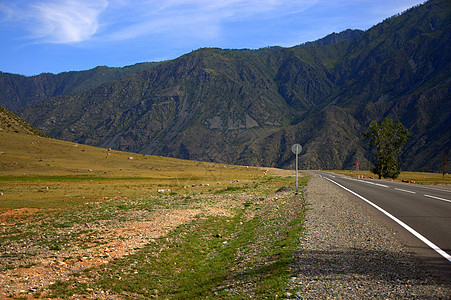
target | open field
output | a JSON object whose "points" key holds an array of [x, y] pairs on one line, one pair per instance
{"points": [[413, 177], [42, 173], [79, 221]]}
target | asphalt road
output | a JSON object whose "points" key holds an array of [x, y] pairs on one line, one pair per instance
{"points": [[426, 210]]}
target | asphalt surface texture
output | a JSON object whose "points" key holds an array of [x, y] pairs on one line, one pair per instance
{"points": [[426, 210]]}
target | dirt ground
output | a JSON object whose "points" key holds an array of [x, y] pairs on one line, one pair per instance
{"points": [[38, 269]]}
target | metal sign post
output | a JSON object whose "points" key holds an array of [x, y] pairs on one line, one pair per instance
{"points": [[296, 149], [357, 168]]}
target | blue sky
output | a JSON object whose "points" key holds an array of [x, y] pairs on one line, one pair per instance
{"points": [[68, 35]]}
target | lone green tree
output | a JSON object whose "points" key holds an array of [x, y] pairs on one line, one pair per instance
{"points": [[388, 138]]}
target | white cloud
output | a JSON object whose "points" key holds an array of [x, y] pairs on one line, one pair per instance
{"points": [[72, 21], [57, 21], [67, 21], [195, 18]]}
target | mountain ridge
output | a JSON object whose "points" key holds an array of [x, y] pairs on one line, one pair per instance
{"points": [[45, 85]]}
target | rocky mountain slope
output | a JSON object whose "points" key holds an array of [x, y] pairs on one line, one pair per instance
{"points": [[249, 107]]}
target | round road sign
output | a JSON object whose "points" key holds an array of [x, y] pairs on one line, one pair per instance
{"points": [[296, 148]]}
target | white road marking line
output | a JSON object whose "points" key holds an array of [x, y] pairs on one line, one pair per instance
{"points": [[401, 190], [437, 198], [378, 184], [383, 185], [404, 225], [435, 189], [369, 182]]}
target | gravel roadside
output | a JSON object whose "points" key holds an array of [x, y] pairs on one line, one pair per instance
{"points": [[347, 253]]}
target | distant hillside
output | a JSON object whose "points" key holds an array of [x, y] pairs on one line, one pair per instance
{"points": [[17, 91], [250, 106], [400, 68], [9, 122]]}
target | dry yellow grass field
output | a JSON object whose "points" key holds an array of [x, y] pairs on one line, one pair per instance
{"points": [[44, 173]]}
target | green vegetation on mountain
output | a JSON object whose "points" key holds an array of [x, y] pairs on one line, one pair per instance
{"points": [[250, 106]]}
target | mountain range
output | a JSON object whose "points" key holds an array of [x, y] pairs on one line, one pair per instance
{"points": [[249, 106]]}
